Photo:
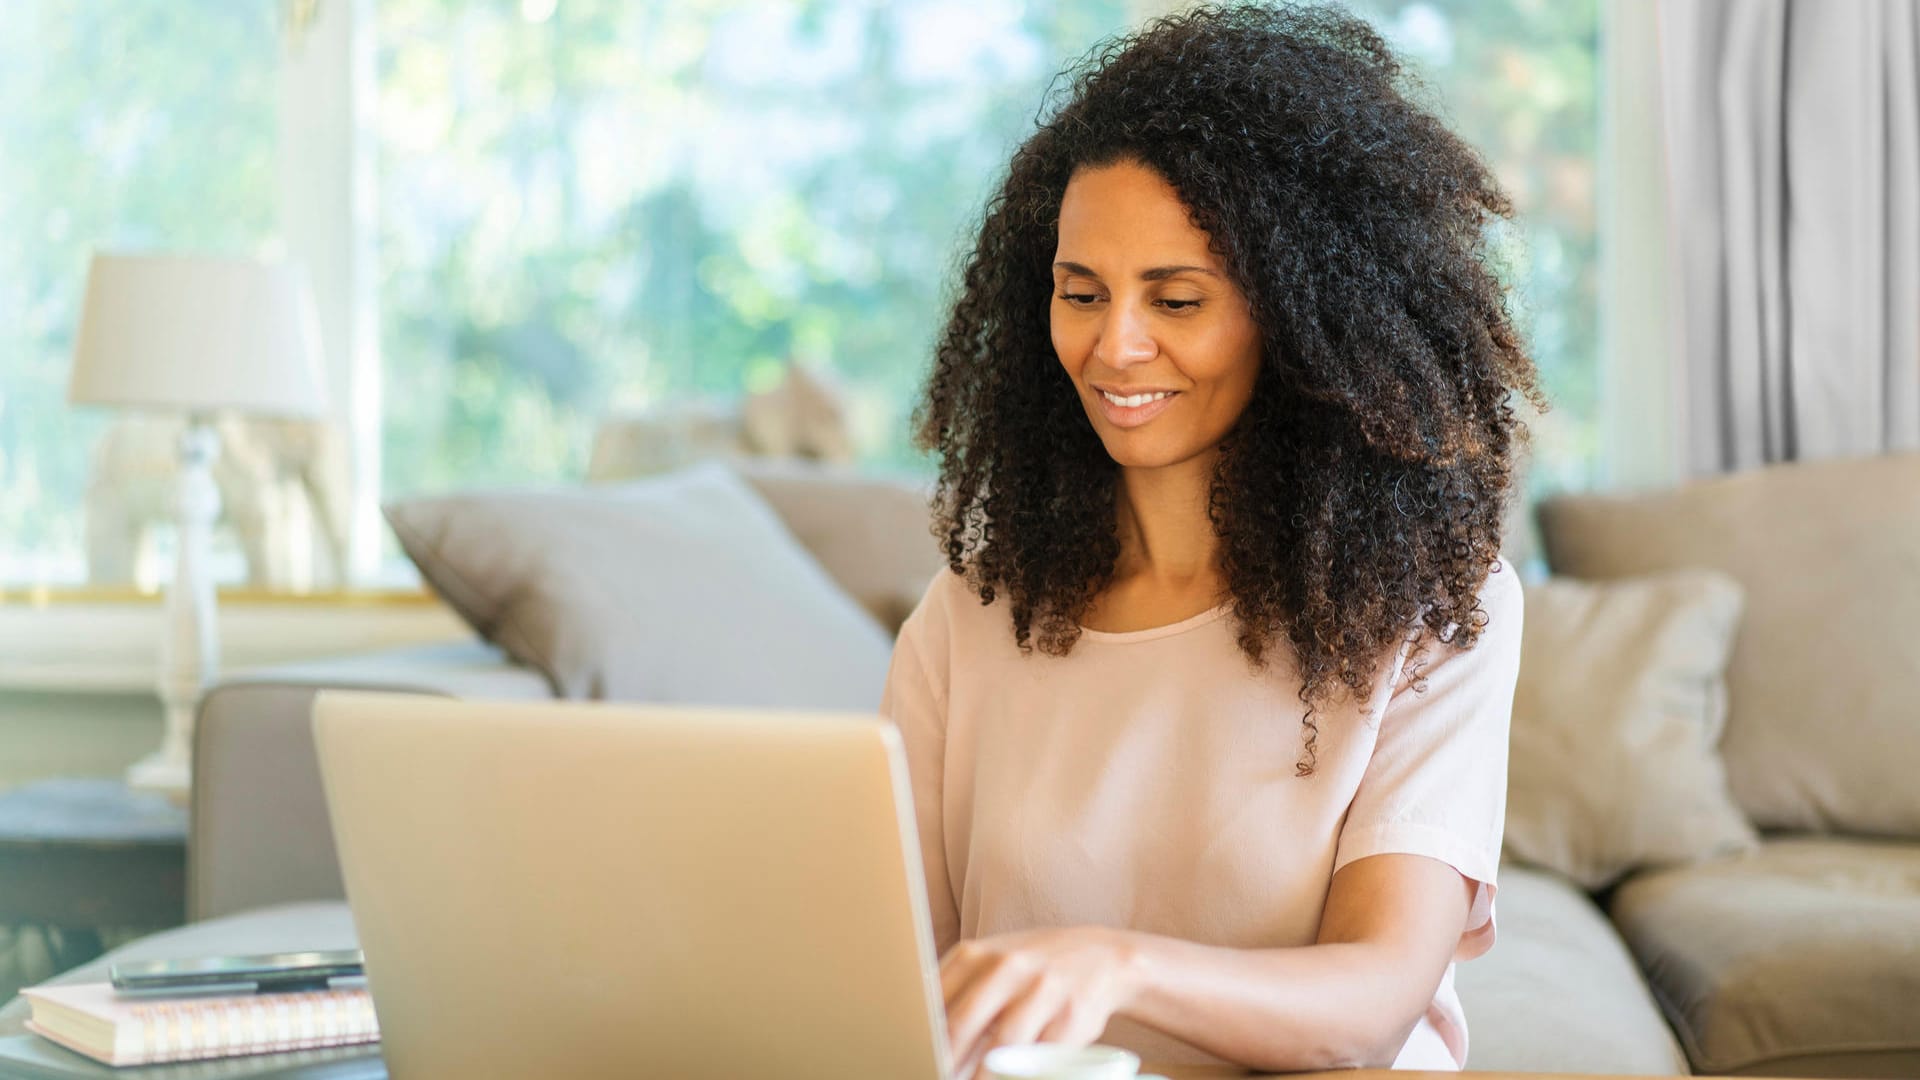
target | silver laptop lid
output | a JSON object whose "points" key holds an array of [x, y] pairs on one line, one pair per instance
{"points": [[585, 890]]}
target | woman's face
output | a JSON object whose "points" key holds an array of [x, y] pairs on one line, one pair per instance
{"points": [[1160, 344]]}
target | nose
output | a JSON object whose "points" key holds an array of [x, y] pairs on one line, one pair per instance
{"points": [[1125, 338]]}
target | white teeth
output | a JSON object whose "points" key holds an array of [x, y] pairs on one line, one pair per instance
{"points": [[1136, 400]]}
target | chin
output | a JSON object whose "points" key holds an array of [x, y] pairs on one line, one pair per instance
{"points": [[1132, 451]]}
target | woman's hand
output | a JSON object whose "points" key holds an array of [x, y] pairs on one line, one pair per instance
{"points": [[1058, 986]]}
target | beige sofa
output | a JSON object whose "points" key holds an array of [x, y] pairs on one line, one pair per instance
{"points": [[1801, 959]]}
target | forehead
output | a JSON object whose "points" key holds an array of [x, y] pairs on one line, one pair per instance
{"points": [[1127, 216]]}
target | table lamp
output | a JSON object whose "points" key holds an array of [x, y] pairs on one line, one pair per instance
{"points": [[196, 336]]}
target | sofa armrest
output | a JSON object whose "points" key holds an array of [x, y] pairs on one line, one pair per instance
{"points": [[260, 833]]}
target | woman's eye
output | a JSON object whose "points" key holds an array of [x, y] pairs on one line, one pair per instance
{"points": [[1079, 299], [1178, 305]]}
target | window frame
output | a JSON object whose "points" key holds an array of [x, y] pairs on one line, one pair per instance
{"points": [[328, 223]]}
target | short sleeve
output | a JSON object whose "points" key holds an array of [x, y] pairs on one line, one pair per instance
{"points": [[915, 699], [1436, 784]]}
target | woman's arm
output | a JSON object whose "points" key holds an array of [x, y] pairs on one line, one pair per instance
{"points": [[1351, 999], [1388, 931]]}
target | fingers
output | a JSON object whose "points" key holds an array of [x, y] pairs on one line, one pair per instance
{"points": [[1073, 1026], [1032, 1011], [973, 1065], [983, 989], [959, 967], [1016, 990]]}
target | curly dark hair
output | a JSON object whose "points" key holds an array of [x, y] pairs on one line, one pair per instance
{"points": [[1359, 497]]}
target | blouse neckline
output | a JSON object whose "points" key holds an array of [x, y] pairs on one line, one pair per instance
{"points": [[1126, 637]]}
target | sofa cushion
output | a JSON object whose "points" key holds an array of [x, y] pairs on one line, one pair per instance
{"points": [[1558, 992], [680, 588], [1802, 959], [1613, 762], [1822, 729]]}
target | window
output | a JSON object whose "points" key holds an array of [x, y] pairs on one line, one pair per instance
{"points": [[585, 206], [115, 132], [588, 205]]}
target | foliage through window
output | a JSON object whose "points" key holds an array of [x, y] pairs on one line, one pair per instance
{"points": [[587, 206], [116, 132], [598, 204]]}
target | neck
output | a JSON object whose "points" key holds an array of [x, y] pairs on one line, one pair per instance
{"points": [[1165, 534]]}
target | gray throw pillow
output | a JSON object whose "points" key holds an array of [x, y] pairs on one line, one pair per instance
{"points": [[1613, 759], [681, 588]]}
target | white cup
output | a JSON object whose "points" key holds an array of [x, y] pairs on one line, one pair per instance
{"points": [[1050, 1061]]}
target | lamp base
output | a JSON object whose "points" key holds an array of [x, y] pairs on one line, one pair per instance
{"points": [[190, 652], [163, 774]]}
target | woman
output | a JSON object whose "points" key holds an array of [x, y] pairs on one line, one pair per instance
{"points": [[1206, 723]]}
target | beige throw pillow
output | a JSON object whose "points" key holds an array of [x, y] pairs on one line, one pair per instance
{"points": [[681, 588], [1619, 705], [1825, 733]]}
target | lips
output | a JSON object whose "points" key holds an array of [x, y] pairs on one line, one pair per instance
{"points": [[1127, 416]]}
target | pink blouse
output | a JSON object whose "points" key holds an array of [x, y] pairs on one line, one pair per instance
{"points": [[1146, 781]]}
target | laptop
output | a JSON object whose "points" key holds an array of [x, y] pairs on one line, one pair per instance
{"points": [[573, 889]]}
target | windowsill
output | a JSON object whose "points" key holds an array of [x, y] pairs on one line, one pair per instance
{"points": [[44, 596], [104, 642]]}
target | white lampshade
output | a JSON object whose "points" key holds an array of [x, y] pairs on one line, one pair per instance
{"points": [[198, 334]]}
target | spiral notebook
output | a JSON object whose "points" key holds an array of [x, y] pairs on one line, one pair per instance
{"points": [[30, 1057], [92, 1019]]}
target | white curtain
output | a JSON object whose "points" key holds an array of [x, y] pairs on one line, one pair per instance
{"points": [[1793, 148]]}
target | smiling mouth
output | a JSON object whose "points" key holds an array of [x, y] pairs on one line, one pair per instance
{"points": [[1133, 410]]}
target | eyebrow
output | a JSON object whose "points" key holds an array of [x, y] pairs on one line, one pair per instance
{"points": [[1158, 273]]}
